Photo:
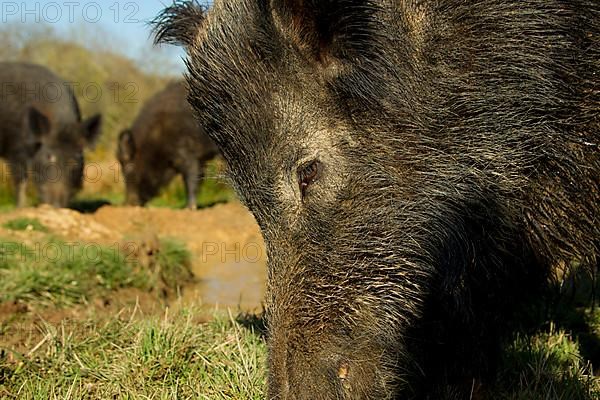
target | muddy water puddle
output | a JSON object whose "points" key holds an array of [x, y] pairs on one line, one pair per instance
{"points": [[228, 254], [234, 285]]}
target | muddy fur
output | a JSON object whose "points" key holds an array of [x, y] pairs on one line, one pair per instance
{"points": [[459, 162]]}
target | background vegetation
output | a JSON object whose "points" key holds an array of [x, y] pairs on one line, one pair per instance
{"points": [[114, 86]]}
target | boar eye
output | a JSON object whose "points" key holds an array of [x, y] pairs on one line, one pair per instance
{"points": [[308, 173]]}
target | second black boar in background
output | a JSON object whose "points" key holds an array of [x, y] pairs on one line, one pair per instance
{"points": [[165, 140]]}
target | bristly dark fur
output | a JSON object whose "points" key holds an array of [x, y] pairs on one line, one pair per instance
{"points": [[459, 152], [179, 23], [325, 32]]}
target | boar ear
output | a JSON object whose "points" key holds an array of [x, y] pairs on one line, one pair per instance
{"points": [[91, 129], [179, 24], [37, 123], [126, 145], [329, 29]]}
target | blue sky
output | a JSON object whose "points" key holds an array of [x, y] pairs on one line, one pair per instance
{"points": [[119, 25]]}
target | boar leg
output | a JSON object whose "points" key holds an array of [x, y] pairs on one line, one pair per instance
{"points": [[191, 177], [19, 174]]}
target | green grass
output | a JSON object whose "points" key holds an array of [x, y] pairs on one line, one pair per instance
{"points": [[152, 358], [174, 262], [547, 365], [7, 200], [175, 356], [55, 273], [25, 224]]}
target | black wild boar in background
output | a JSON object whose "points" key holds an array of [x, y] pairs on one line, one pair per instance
{"points": [[165, 140], [41, 131], [418, 170]]}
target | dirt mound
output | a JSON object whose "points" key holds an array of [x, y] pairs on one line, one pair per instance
{"points": [[223, 223], [65, 223]]}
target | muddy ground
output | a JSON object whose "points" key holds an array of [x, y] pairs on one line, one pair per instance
{"points": [[228, 256]]}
